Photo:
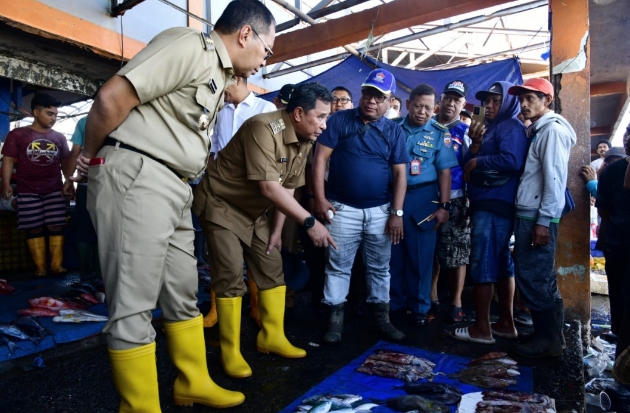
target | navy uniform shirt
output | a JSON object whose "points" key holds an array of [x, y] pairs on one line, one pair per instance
{"points": [[426, 144]]}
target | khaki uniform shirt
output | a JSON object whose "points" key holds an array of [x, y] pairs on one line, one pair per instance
{"points": [[265, 148], [178, 77]]}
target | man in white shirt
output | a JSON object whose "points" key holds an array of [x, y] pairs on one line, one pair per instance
{"points": [[240, 105]]}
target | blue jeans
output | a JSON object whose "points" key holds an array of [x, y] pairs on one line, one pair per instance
{"points": [[350, 228], [490, 257], [535, 266]]}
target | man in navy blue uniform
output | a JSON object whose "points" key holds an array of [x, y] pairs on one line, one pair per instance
{"points": [[424, 209], [362, 146]]}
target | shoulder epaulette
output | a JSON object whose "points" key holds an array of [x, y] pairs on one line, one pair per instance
{"points": [[440, 126], [206, 42], [277, 126]]}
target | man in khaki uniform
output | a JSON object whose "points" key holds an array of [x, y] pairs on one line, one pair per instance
{"points": [[146, 135], [260, 168]]}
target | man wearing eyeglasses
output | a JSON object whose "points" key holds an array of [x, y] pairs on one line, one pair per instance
{"points": [[362, 146], [145, 137], [342, 99], [427, 204]]}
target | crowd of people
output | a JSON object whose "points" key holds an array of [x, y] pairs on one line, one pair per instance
{"points": [[375, 198]]}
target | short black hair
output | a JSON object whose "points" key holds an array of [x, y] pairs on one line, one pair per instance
{"points": [[239, 13], [422, 90], [44, 101], [343, 89], [606, 141], [306, 96], [541, 96], [396, 98]]}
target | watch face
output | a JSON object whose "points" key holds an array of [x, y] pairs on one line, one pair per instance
{"points": [[399, 213], [309, 222]]}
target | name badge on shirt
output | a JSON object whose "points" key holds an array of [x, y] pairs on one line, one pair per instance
{"points": [[414, 167]]}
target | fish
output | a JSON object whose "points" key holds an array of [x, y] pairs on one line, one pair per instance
{"points": [[85, 287], [501, 371], [517, 396], [5, 287], [303, 408], [490, 356], [53, 303], [77, 316], [487, 382], [100, 297], [322, 407], [11, 330], [32, 327], [38, 312], [415, 402], [440, 392], [421, 371], [89, 298], [510, 406], [400, 358], [386, 371], [365, 407], [10, 344]]}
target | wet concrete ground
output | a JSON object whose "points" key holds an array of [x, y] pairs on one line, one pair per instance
{"points": [[77, 377]]}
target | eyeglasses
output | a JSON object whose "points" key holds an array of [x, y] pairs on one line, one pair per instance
{"points": [[368, 94], [267, 48], [343, 101]]}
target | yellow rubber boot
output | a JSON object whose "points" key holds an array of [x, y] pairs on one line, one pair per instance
{"points": [[253, 301], [211, 318], [135, 377], [271, 338], [55, 244], [37, 247], [232, 360], [193, 384]]}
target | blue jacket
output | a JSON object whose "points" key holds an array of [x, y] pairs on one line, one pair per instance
{"points": [[504, 148]]}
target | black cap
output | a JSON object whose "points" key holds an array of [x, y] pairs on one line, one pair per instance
{"points": [[457, 87], [495, 89], [466, 112], [614, 152], [285, 93]]}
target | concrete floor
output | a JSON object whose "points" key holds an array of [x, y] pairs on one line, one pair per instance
{"points": [[77, 378]]}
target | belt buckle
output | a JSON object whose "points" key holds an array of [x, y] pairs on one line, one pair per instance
{"points": [[184, 179]]}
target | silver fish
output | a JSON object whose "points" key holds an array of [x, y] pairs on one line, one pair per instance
{"points": [[366, 407], [323, 407], [10, 344], [11, 330]]}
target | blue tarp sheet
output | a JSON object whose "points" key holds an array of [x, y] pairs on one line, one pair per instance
{"points": [[348, 381], [352, 72]]}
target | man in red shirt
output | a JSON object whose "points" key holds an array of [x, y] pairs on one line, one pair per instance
{"points": [[39, 153]]}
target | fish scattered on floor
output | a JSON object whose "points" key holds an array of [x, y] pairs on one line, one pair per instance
{"points": [[85, 287], [5, 287], [78, 316], [487, 382], [415, 402], [490, 356], [4, 341], [497, 371], [400, 358], [38, 312], [53, 303], [402, 366], [321, 407], [338, 403], [536, 398], [11, 330], [505, 401], [32, 327], [89, 298], [494, 370], [365, 407], [100, 296], [440, 392], [387, 370]]}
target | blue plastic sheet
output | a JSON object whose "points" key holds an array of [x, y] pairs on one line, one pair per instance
{"points": [[352, 72], [348, 381]]}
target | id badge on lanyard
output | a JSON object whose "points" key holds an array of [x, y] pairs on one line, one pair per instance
{"points": [[414, 167]]}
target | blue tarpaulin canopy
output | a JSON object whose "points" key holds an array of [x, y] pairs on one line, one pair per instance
{"points": [[352, 72]]}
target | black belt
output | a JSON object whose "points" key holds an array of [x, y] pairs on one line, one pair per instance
{"points": [[418, 186], [114, 142]]}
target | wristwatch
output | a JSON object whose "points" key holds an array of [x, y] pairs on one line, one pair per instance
{"points": [[445, 205], [397, 212], [309, 222]]}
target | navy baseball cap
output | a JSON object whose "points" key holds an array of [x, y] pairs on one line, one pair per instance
{"points": [[382, 80], [495, 89], [285, 93], [457, 87]]}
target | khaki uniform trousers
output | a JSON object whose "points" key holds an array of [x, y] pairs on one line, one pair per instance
{"points": [[141, 213], [226, 253]]}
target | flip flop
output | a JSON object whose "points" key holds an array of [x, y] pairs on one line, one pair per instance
{"points": [[500, 334], [523, 318], [463, 335]]}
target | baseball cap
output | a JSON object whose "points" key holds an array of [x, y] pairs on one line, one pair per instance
{"points": [[615, 152], [536, 84], [382, 80], [285, 93], [495, 89], [457, 87], [466, 112]]}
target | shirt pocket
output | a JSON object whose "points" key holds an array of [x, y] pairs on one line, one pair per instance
{"points": [[422, 152]]}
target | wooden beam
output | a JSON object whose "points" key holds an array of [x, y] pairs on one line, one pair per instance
{"points": [[316, 14], [387, 18], [601, 130], [610, 88]]}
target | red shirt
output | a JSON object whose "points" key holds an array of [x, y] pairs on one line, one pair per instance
{"points": [[38, 159]]}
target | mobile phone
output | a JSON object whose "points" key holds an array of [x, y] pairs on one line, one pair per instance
{"points": [[479, 114], [97, 161]]}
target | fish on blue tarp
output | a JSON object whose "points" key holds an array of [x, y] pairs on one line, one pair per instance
{"points": [[11, 330], [441, 392], [4, 341], [414, 402], [32, 327]]}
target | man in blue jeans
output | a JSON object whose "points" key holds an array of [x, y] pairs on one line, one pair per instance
{"points": [[362, 146], [539, 203], [498, 145]]}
